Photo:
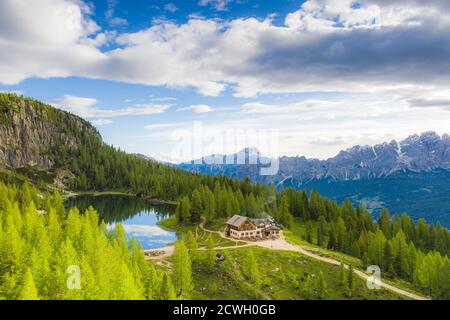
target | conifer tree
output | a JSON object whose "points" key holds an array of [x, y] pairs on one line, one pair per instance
{"points": [[29, 291], [252, 269], [322, 286], [167, 289], [191, 241], [342, 275], [197, 207], [388, 257], [182, 270], [309, 231], [321, 231], [331, 240], [211, 256], [308, 288], [283, 215], [183, 211], [351, 282]]}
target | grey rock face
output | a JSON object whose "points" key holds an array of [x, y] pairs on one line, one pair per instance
{"points": [[29, 134]]}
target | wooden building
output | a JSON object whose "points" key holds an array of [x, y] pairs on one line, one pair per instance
{"points": [[240, 227]]}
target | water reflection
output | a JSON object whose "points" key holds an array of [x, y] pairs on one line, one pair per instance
{"points": [[138, 217]]}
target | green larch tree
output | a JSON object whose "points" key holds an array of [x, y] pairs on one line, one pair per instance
{"points": [[182, 270]]}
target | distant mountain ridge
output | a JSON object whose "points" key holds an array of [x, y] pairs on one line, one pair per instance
{"points": [[411, 176], [417, 153]]}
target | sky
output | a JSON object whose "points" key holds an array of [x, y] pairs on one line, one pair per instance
{"points": [[176, 80]]}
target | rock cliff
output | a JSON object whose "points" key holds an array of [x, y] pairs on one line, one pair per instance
{"points": [[35, 134]]}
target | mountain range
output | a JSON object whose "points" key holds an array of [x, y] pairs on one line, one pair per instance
{"points": [[418, 153], [410, 175]]}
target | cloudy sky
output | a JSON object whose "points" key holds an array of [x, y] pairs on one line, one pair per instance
{"points": [[319, 75]]}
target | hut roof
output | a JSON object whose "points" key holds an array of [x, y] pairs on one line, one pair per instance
{"points": [[237, 221], [260, 221], [273, 228]]}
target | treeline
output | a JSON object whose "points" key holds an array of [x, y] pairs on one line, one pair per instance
{"points": [[101, 167], [417, 252], [223, 201], [47, 252]]}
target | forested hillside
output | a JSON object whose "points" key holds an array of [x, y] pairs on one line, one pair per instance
{"points": [[47, 252], [42, 246], [39, 141], [416, 252]]}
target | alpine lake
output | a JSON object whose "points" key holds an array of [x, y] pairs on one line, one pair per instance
{"points": [[138, 217]]}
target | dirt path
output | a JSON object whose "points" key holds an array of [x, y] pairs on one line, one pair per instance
{"points": [[202, 226], [281, 244], [229, 247]]}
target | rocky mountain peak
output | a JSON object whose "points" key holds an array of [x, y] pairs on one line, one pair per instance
{"points": [[425, 152], [32, 133]]}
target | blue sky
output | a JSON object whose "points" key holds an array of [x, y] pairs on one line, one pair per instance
{"points": [[317, 76]]}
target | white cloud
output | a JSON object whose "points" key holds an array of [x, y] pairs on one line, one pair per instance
{"points": [[164, 99], [158, 126], [85, 107], [110, 15], [171, 7], [116, 21], [198, 108], [44, 39], [324, 46], [141, 230], [391, 55], [78, 105], [219, 5], [256, 107], [330, 16], [144, 230], [304, 105], [101, 122]]}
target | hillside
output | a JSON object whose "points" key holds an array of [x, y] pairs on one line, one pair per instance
{"points": [[53, 148], [35, 134]]}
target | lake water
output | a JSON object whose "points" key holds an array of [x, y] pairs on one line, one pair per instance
{"points": [[138, 217]]}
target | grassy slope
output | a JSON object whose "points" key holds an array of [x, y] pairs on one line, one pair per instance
{"points": [[283, 272], [283, 275], [42, 179]]}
